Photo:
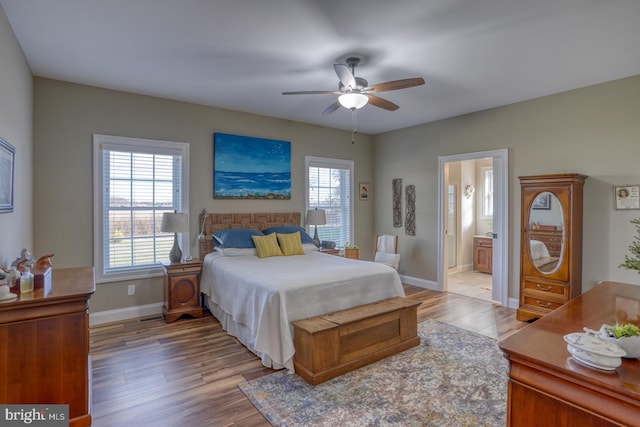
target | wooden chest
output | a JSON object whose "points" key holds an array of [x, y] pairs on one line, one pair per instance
{"points": [[332, 344]]}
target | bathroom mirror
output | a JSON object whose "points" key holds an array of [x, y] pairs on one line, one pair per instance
{"points": [[546, 232]]}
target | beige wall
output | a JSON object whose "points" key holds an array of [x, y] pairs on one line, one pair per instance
{"points": [[16, 123], [67, 115], [594, 131]]}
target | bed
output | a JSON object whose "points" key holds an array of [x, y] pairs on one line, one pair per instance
{"points": [[541, 257], [256, 299]]}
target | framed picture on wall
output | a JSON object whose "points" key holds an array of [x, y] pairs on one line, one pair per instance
{"points": [[363, 190], [246, 167], [7, 161], [627, 196], [543, 201]]}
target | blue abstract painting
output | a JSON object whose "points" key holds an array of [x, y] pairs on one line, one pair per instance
{"points": [[245, 167]]}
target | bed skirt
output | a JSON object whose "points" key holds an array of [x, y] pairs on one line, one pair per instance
{"points": [[243, 334]]}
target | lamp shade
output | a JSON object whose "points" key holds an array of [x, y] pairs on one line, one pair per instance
{"points": [[175, 222], [353, 100], [316, 217]]}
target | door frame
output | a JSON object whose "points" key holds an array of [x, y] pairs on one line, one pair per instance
{"points": [[500, 262]]}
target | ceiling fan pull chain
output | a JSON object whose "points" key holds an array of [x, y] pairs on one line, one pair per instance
{"points": [[353, 133]]}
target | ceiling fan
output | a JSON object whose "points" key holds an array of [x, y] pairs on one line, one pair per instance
{"points": [[355, 92]]}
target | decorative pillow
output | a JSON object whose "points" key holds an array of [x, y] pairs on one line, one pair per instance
{"points": [[290, 244], [309, 247], [236, 251], [236, 237], [288, 229], [267, 246]]}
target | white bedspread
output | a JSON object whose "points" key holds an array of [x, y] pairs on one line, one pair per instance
{"points": [[264, 295], [538, 249]]}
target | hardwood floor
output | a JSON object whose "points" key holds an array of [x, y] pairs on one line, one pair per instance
{"points": [[150, 373]]}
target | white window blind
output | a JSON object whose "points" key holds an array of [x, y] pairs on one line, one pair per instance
{"points": [[330, 188], [136, 182]]}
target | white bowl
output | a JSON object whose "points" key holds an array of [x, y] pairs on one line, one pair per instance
{"points": [[591, 350], [631, 345]]}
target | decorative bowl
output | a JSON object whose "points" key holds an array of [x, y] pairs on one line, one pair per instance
{"points": [[631, 345], [591, 350]]}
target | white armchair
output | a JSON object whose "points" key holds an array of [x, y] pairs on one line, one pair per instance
{"points": [[386, 251]]}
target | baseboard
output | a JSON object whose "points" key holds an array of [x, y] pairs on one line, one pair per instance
{"points": [[513, 303], [421, 283], [466, 267], [108, 316]]}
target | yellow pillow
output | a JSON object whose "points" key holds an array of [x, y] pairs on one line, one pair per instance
{"points": [[267, 246], [290, 244]]}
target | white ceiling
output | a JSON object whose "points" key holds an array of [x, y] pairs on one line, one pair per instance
{"points": [[241, 54]]}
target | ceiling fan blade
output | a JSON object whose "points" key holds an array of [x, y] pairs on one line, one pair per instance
{"points": [[311, 92], [382, 103], [331, 108], [345, 75], [395, 85]]}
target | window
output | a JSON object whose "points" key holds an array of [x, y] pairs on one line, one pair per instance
{"points": [[329, 187], [487, 193], [135, 182]]}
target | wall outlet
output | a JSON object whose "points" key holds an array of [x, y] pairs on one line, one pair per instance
{"points": [[131, 290]]}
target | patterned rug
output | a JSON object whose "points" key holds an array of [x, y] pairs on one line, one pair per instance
{"points": [[453, 378]]}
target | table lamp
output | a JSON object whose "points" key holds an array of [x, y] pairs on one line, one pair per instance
{"points": [[175, 222], [316, 217]]}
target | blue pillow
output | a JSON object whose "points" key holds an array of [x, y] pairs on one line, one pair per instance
{"points": [[288, 229], [236, 238]]}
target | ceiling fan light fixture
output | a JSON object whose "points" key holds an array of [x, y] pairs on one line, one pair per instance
{"points": [[353, 100]]}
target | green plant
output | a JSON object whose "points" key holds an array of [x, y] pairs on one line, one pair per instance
{"points": [[633, 262], [351, 245], [626, 330]]}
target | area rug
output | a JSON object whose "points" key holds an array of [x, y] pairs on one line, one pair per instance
{"points": [[453, 378]]}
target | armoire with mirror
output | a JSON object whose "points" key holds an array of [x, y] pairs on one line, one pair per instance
{"points": [[550, 242]]}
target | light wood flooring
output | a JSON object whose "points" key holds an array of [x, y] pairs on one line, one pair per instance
{"points": [[470, 283], [150, 373]]}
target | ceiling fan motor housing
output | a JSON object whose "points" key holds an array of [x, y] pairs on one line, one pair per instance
{"points": [[360, 85]]}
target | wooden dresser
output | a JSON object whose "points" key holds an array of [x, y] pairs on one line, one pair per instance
{"points": [[44, 345], [548, 388]]}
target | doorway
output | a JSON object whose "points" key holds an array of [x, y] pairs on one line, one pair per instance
{"points": [[473, 191]]}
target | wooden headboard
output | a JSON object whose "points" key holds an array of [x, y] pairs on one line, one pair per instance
{"points": [[259, 221]]}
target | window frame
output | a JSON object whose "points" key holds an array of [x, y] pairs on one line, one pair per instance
{"points": [[139, 145], [483, 174], [325, 162]]}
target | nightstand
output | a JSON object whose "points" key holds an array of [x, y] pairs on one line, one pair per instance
{"points": [[330, 251], [182, 290]]}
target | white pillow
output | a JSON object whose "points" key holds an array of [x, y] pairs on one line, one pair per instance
{"points": [[309, 247], [237, 251]]}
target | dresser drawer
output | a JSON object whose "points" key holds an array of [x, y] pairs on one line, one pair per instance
{"points": [[538, 303], [484, 242], [191, 268], [554, 249], [551, 288]]}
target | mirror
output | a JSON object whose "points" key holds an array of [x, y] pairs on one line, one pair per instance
{"points": [[546, 232]]}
